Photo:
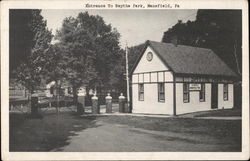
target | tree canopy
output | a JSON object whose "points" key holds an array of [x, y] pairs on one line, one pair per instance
{"points": [[219, 30], [90, 51], [29, 43]]}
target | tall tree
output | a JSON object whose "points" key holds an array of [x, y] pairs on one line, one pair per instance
{"points": [[220, 30], [91, 48], [21, 37], [34, 54]]}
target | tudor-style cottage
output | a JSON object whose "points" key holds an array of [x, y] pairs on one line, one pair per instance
{"points": [[176, 79]]}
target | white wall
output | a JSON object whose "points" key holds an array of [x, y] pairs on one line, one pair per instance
{"points": [[151, 66], [230, 102], [148, 66], [164, 76], [194, 103], [150, 104]]}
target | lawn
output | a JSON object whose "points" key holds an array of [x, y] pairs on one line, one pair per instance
{"points": [[54, 131], [44, 134], [221, 113]]}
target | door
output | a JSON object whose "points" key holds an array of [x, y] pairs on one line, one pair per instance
{"points": [[214, 96]]}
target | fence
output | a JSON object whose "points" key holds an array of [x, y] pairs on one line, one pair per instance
{"points": [[48, 102], [17, 93]]}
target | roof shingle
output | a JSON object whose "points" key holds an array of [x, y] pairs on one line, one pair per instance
{"points": [[191, 60]]}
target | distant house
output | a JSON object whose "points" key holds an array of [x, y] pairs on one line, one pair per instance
{"points": [[66, 89], [176, 79]]}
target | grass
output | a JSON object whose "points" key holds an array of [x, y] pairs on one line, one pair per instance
{"points": [[217, 128], [222, 113], [54, 131]]}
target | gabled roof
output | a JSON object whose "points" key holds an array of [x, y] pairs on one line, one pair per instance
{"points": [[183, 59]]}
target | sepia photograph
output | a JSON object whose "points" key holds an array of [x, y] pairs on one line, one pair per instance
{"points": [[125, 78]]}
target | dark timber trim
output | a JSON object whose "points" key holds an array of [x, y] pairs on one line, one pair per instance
{"points": [[157, 76], [150, 77], [154, 71], [174, 95], [182, 82], [163, 76], [148, 44]]}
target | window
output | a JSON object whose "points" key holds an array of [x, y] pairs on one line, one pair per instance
{"points": [[161, 92], [141, 92], [185, 92], [225, 92], [202, 93]]}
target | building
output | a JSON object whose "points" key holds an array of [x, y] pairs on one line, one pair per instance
{"points": [[176, 79]]}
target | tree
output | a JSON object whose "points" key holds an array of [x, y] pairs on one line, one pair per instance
{"points": [[21, 37], [34, 53], [90, 48], [219, 30], [117, 74], [133, 54]]}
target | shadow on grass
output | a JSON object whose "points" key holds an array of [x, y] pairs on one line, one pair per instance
{"points": [[195, 131], [47, 133]]}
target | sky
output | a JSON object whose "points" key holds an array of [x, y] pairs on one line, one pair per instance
{"points": [[135, 26]]}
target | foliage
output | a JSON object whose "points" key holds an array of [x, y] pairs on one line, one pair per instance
{"points": [[219, 30], [133, 54], [90, 51], [117, 74], [34, 54], [21, 36]]}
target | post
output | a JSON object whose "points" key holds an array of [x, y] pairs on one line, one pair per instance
{"points": [[174, 97], [58, 85], [121, 103], [80, 103], [95, 105], [34, 104], [108, 103], [127, 77]]}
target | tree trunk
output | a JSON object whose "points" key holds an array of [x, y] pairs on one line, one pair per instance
{"points": [[33, 103], [57, 96], [74, 95]]}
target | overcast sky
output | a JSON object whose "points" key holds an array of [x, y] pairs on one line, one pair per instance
{"points": [[135, 26]]}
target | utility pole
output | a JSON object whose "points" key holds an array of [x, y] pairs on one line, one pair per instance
{"points": [[127, 77], [235, 56]]}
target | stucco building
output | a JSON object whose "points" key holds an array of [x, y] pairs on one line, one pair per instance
{"points": [[176, 79]]}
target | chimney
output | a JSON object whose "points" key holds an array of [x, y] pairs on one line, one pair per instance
{"points": [[174, 40]]}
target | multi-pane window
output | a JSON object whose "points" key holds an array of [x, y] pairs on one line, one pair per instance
{"points": [[185, 92], [141, 92], [225, 92], [161, 92], [202, 92]]}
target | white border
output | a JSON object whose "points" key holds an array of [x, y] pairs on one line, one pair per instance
{"points": [[191, 4]]}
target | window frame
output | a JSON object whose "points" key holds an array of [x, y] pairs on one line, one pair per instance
{"points": [[202, 92], [225, 92], [161, 92], [140, 91], [186, 93]]}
